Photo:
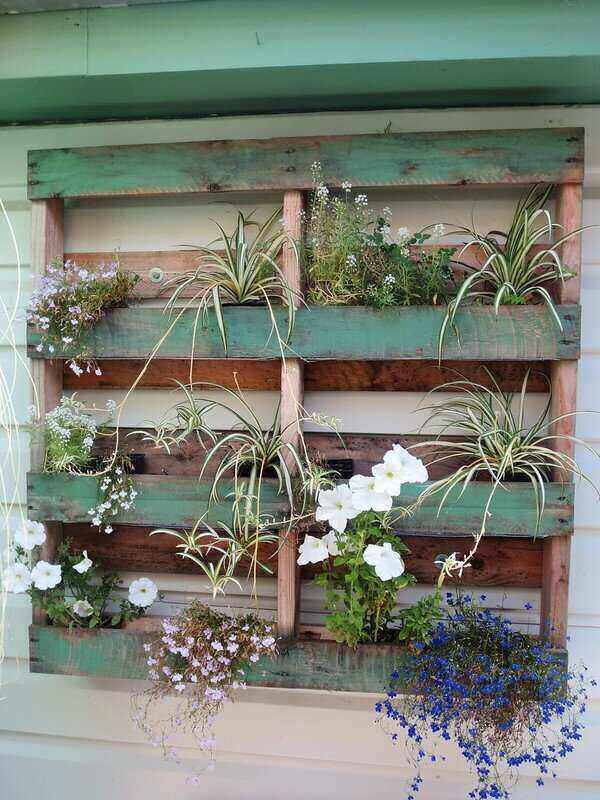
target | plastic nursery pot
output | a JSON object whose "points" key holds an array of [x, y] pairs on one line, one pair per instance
{"points": [[244, 470], [138, 463], [343, 466]]}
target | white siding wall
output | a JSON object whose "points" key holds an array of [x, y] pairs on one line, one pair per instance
{"points": [[70, 738]]}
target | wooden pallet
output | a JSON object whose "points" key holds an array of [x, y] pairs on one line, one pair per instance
{"points": [[348, 348]]}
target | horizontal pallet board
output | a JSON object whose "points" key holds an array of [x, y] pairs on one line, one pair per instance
{"points": [[299, 665], [324, 376], [516, 333], [553, 155], [161, 500], [515, 562], [180, 501]]}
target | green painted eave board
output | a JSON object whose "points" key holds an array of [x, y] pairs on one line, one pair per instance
{"points": [[181, 501], [516, 333], [240, 57]]}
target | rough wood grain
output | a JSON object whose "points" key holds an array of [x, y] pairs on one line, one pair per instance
{"points": [[324, 376], [364, 450], [517, 333], [179, 502], [47, 237], [300, 664], [557, 556], [499, 562], [396, 159], [290, 409]]}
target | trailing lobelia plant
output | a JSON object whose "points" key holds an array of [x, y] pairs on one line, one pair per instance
{"points": [[199, 659], [73, 592], [501, 696], [494, 442], [243, 272], [515, 270], [351, 258], [364, 569], [71, 299], [247, 459]]}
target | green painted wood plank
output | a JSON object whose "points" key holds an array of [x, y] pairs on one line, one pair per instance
{"points": [[179, 501], [399, 159], [300, 664], [162, 500], [517, 333]]}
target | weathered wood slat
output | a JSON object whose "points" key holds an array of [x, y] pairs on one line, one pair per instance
{"points": [[161, 501], [300, 665], [179, 502], [325, 376], [460, 158], [557, 557], [499, 562], [47, 241], [517, 333]]}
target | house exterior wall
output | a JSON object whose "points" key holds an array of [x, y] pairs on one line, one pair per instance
{"points": [[64, 737]]}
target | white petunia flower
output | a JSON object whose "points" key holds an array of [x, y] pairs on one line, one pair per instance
{"points": [[83, 565], [387, 562], [312, 551], [82, 608], [16, 578], [414, 469], [365, 497], [31, 534], [46, 576], [333, 540], [142, 592], [388, 475], [335, 506]]}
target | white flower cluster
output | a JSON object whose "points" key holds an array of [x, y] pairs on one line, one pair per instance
{"points": [[364, 493], [118, 493], [70, 418]]}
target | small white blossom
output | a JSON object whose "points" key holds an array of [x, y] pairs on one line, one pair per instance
{"points": [[365, 496], [387, 562], [142, 592], [312, 551], [31, 534], [335, 506], [82, 566], [16, 578], [82, 608], [45, 575]]}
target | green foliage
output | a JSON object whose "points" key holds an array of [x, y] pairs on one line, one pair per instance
{"points": [[93, 586], [242, 272], [70, 300], [350, 258], [69, 432], [515, 269], [492, 440], [419, 621], [360, 604]]}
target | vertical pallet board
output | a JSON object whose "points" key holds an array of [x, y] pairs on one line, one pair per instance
{"points": [[46, 245], [557, 553], [292, 396]]}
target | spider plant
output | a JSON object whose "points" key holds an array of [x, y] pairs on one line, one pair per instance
{"points": [[492, 439], [239, 272], [515, 270]]}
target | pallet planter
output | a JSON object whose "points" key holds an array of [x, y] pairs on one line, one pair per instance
{"points": [[517, 333], [345, 348], [301, 664], [180, 501]]}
